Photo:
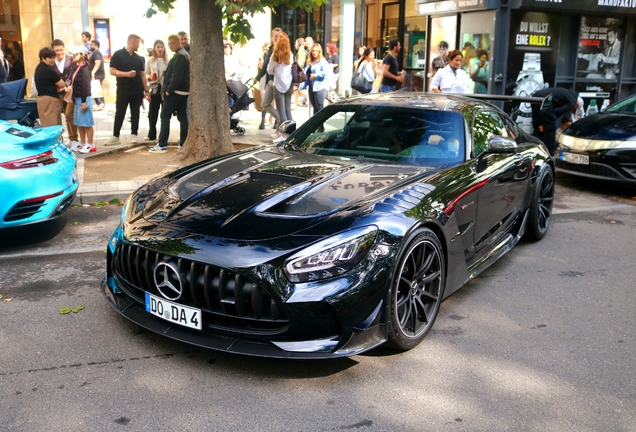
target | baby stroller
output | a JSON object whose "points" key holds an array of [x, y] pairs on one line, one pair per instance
{"points": [[14, 107], [239, 99]]}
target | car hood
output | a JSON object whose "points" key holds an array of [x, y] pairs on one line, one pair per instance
{"points": [[604, 126], [265, 193]]}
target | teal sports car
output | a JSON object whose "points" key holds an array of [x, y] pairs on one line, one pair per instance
{"points": [[38, 176]]}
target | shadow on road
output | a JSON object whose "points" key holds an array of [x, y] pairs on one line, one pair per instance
{"points": [[29, 235]]}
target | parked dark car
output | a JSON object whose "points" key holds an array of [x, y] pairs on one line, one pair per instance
{"points": [[602, 146], [346, 236]]}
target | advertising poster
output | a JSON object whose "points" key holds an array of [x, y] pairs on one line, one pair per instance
{"points": [[532, 58], [599, 48]]}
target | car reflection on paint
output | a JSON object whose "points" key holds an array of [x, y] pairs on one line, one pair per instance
{"points": [[346, 236]]}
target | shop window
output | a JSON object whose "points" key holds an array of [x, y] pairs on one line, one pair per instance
{"points": [[11, 40]]}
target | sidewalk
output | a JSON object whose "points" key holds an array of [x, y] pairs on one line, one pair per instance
{"points": [[105, 191]]}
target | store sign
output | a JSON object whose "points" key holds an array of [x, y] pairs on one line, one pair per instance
{"points": [[425, 8], [616, 6]]}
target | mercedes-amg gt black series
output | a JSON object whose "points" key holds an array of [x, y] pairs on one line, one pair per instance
{"points": [[602, 146], [346, 235]]}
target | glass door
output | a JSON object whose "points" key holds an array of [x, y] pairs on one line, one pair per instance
{"points": [[389, 27]]}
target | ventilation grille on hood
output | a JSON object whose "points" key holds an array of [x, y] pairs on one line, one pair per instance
{"points": [[405, 199]]}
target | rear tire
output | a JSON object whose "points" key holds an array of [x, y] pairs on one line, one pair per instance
{"points": [[541, 205], [416, 290]]}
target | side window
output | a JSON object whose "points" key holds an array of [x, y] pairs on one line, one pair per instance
{"points": [[485, 125], [511, 128]]}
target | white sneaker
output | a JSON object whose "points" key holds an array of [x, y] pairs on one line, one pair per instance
{"points": [[88, 148], [112, 141], [76, 146], [275, 135], [134, 139]]}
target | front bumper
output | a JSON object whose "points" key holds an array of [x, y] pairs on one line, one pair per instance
{"points": [[618, 165], [338, 317]]}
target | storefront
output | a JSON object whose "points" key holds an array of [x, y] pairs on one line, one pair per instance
{"points": [[554, 43]]}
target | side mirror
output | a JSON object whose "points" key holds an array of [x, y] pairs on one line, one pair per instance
{"points": [[287, 127], [499, 144]]}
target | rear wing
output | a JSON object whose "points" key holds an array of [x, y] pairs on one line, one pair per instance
{"points": [[545, 102]]}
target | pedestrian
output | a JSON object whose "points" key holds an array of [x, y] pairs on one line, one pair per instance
{"points": [[280, 66], [83, 116], [86, 40], [545, 123], [479, 73], [334, 61], [184, 40], [301, 59], [318, 73], [4, 65], [48, 83], [155, 69], [357, 58], [96, 65], [390, 66], [17, 65], [132, 87], [66, 66], [451, 78], [175, 90], [267, 86], [442, 59], [230, 61], [366, 65]]}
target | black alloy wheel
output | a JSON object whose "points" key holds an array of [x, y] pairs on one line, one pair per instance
{"points": [[417, 290], [541, 205]]}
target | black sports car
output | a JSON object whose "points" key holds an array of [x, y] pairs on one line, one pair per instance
{"points": [[602, 146], [347, 235]]}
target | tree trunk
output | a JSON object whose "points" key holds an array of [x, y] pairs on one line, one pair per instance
{"points": [[209, 130]]}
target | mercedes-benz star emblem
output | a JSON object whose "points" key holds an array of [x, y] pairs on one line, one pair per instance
{"points": [[168, 281]]}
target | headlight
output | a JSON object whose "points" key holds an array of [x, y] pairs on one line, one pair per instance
{"points": [[582, 144], [331, 257]]}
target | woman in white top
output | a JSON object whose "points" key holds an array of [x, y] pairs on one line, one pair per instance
{"points": [[280, 65], [366, 65], [155, 68], [451, 78]]}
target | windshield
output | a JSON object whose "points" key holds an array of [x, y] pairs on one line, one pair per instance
{"points": [[413, 136], [626, 106]]}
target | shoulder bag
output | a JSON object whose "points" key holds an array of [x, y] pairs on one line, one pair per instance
{"points": [[359, 82]]}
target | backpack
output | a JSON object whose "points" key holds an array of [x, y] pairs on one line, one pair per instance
{"points": [[298, 74]]}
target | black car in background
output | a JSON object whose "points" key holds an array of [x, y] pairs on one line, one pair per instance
{"points": [[347, 235], [602, 146]]}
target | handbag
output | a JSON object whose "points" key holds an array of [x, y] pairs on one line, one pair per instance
{"points": [[360, 83], [298, 74], [258, 99], [68, 97]]}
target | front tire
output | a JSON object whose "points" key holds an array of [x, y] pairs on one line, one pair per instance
{"points": [[541, 205], [416, 291]]}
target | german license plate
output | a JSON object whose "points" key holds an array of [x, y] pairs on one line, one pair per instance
{"points": [[575, 158], [173, 312]]}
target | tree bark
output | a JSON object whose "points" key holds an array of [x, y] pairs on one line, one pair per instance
{"points": [[209, 130]]}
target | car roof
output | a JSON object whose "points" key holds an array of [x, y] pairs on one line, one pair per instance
{"points": [[433, 101]]}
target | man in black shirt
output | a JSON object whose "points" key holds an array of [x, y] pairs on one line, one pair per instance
{"points": [[175, 90], [546, 124], [184, 40], [132, 87], [390, 77], [96, 65]]}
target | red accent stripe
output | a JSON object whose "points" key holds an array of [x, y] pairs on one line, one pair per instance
{"points": [[451, 206], [42, 198]]}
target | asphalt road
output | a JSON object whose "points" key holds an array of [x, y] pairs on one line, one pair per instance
{"points": [[543, 340]]}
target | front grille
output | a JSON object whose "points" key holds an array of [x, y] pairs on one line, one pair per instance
{"points": [[228, 300], [591, 169], [23, 210]]}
